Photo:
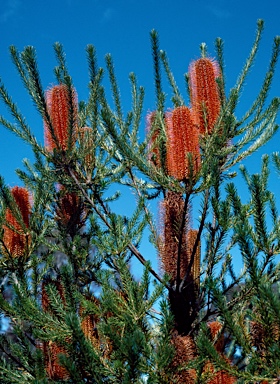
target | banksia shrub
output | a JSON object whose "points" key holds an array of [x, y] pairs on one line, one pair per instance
{"points": [[62, 107], [204, 93], [15, 238], [182, 138]]}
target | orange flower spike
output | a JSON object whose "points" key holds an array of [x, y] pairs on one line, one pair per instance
{"points": [[204, 92], [58, 105], [182, 137], [16, 240], [215, 327]]}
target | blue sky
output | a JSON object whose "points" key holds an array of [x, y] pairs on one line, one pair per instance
{"points": [[122, 27]]}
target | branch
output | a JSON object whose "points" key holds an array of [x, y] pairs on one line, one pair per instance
{"points": [[131, 247]]}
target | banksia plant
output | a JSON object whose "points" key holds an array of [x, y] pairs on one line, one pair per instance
{"points": [[62, 107], [87, 235], [182, 147], [16, 238], [204, 93]]}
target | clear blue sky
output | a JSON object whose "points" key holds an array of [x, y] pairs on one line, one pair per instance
{"points": [[121, 27]]}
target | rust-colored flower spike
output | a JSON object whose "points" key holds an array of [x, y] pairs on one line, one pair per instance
{"points": [[185, 351], [70, 212], [172, 209], [58, 102], [50, 349], [215, 327], [15, 239], [259, 333], [182, 138], [220, 377], [204, 93], [89, 324]]}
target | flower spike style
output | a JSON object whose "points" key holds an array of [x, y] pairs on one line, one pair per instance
{"points": [[182, 138], [62, 107], [15, 239], [204, 93]]}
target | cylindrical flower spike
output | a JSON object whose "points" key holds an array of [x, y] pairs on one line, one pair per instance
{"points": [[220, 377], [70, 212], [89, 324], [15, 238], [62, 107], [215, 327], [185, 351], [204, 93], [172, 209], [182, 138]]}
